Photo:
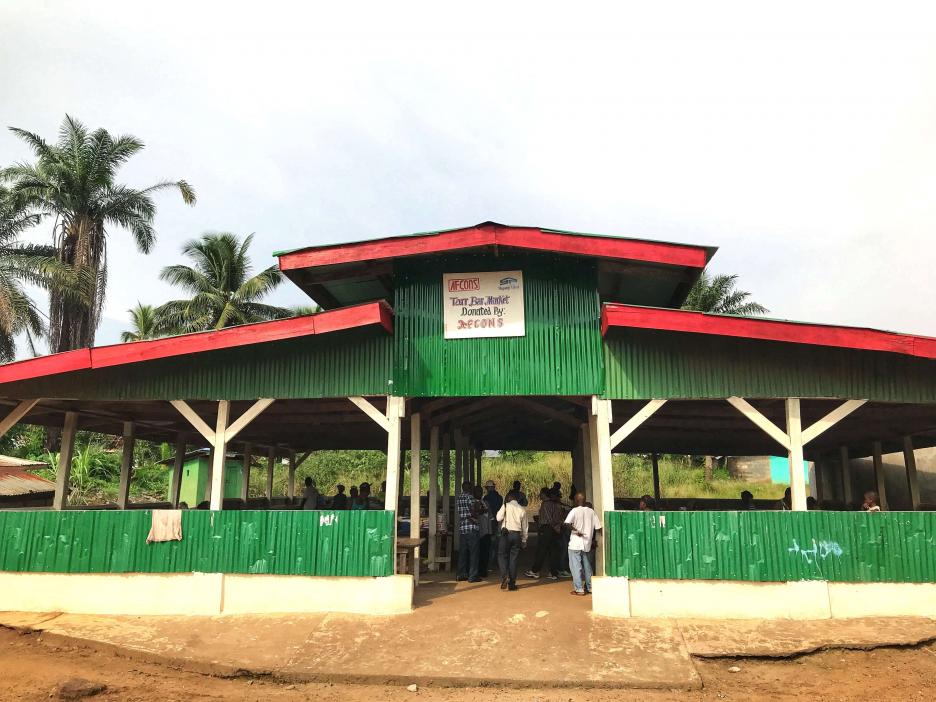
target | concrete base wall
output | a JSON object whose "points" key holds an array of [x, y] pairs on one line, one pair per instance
{"points": [[202, 593], [728, 599]]}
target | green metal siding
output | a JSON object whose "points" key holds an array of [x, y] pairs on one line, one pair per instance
{"points": [[334, 365], [773, 546], [560, 354], [354, 543], [644, 364]]}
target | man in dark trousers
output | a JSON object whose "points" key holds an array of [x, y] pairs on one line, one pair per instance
{"points": [[469, 537], [513, 525], [551, 517]]}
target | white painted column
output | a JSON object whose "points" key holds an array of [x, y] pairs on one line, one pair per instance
{"points": [[126, 464], [603, 438], [913, 485], [795, 454], [415, 451], [433, 496], [846, 477], [391, 497], [446, 483], [291, 483], [220, 455], [878, 463], [457, 488], [245, 474], [595, 495], [63, 472], [178, 463], [271, 464]]}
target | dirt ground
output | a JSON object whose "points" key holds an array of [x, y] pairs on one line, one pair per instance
{"points": [[32, 669]]}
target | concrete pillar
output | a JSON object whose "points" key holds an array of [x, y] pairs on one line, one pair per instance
{"points": [[655, 462], [220, 455], [126, 464], [271, 463], [795, 455], [291, 482], [63, 472], [846, 477], [415, 451], [395, 407], [602, 481], [913, 486], [878, 464], [433, 496], [447, 479], [245, 470], [178, 462]]}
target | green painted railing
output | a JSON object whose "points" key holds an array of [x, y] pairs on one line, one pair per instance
{"points": [[356, 543], [772, 546]]}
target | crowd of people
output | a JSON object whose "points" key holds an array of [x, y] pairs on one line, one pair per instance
{"points": [[358, 497], [494, 529]]}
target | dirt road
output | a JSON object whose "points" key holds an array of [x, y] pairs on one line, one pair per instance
{"points": [[32, 669]]}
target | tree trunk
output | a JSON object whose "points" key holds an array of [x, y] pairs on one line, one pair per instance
{"points": [[709, 469]]}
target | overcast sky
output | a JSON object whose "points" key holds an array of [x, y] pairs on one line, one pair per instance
{"points": [[802, 142]]}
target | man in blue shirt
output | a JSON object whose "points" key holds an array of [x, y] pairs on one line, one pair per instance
{"points": [[468, 535]]}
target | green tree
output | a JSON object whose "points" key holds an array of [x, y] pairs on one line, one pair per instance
{"points": [[74, 182], [146, 324], [302, 310], [717, 294], [222, 290]]}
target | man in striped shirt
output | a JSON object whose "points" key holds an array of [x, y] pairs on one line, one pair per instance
{"points": [[551, 516], [468, 535]]}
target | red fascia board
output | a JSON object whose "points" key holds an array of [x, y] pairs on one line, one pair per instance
{"points": [[515, 237], [371, 313], [64, 362], [614, 315]]}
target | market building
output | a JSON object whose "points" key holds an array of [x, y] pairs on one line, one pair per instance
{"points": [[487, 337]]}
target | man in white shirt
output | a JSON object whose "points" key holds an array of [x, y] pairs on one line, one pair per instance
{"points": [[584, 523], [514, 526]]}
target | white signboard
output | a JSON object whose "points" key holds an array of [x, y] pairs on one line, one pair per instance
{"points": [[476, 305]]}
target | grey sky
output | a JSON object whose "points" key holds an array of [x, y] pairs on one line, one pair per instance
{"points": [[801, 142]]}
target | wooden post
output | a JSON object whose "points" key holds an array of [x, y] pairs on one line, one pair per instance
{"points": [[415, 451], [655, 460], [220, 456], [395, 407], [63, 473], [291, 483], [178, 463], [15, 415], [456, 489], [447, 486], [913, 486], [588, 470], [126, 465], [846, 477], [479, 453], [271, 463], [433, 496], [795, 454], [878, 463], [603, 415], [245, 477]]}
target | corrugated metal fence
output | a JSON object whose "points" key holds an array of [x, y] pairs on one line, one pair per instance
{"points": [[773, 546], [358, 543]]}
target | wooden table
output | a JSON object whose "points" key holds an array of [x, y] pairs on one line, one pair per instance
{"points": [[407, 551]]}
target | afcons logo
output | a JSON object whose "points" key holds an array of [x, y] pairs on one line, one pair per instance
{"points": [[508, 283], [464, 284]]}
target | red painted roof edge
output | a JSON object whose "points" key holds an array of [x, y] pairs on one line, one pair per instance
{"points": [[378, 313], [617, 315], [490, 235]]}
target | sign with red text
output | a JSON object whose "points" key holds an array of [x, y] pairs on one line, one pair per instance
{"points": [[476, 305]]}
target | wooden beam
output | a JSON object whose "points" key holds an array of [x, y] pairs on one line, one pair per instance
{"points": [[465, 409], [432, 512], [913, 485], [18, 412], [772, 430], [655, 463], [245, 472], [831, 419], [415, 452], [126, 465], [630, 426], [367, 408], [879, 482], [63, 472], [219, 458], [846, 476], [271, 463], [246, 418], [178, 463], [534, 406], [392, 495], [197, 422]]}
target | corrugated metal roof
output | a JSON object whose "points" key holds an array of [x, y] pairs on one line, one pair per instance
{"points": [[23, 483], [20, 463]]}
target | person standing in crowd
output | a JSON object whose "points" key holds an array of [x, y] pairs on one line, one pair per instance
{"points": [[340, 500], [367, 501], [354, 500], [871, 502], [549, 530], [521, 497], [485, 529], [787, 502], [747, 500], [514, 527], [494, 501], [310, 496], [647, 504], [468, 535], [584, 523]]}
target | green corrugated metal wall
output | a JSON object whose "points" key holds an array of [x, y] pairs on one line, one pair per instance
{"points": [[353, 543], [561, 353], [773, 546], [643, 364], [333, 365]]}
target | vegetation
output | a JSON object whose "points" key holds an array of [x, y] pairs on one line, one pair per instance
{"points": [[717, 294], [222, 291], [74, 182], [146, 324]]}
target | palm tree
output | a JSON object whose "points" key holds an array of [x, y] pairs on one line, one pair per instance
{"points": [[717, 294], [223, 292], [146, 324], [22, 263], [74, 182], [303, 310]]}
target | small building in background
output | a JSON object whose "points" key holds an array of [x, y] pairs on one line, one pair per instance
{"points": [[21, 488], [196, 470]]}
